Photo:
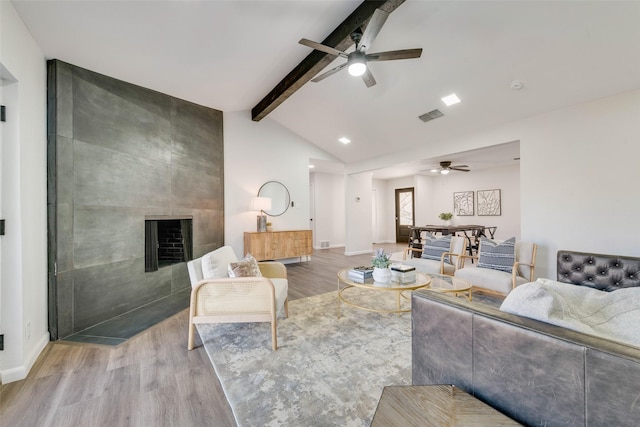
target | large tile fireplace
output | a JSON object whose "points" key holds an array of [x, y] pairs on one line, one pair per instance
{"points": [[119, 154]]}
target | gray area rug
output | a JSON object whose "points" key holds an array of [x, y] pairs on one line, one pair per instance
{"points": [[326, 371]]}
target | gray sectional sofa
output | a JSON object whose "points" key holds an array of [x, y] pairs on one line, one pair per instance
{"points": [[536, 373]]}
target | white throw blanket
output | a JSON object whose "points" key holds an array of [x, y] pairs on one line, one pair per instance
{"points": [[612, 315]]}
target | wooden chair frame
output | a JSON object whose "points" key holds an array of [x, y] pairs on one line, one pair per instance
{"points": [[266, 311]]}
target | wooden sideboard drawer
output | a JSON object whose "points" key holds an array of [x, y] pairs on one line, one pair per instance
{"points": [[278, 244]]}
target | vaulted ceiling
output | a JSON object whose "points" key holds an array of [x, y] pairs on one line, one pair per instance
{"points": [[229, 54]]}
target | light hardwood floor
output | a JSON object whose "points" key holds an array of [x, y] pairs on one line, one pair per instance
{"points": [[151, 380]]}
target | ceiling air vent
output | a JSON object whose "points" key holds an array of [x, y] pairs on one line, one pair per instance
{"points": [[431, 115]]}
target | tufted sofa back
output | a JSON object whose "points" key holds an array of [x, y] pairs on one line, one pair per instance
{"points": [[603, 272]]}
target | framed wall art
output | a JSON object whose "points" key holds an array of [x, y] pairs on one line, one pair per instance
{"points": [[489, 202], [463, 203]]}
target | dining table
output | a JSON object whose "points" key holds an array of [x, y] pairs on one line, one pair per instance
{"points": [[468, 230]]}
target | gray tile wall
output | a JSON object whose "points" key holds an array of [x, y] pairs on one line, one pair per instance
{"points": [[119, 152]]}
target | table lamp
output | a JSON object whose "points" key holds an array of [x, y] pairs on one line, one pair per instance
{"points": [[261, 204]]}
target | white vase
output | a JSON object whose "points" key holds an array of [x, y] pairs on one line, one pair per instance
{"points": [[382, 275], [446, 222]]}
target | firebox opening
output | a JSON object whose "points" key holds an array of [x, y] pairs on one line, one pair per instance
{"points": [[167, 242]]}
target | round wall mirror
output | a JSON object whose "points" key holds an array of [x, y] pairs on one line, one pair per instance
{"points": [[279, 195]]}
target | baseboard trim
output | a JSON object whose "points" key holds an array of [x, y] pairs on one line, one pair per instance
{"points": [[317, 248], [368, 251], [19, 373]]}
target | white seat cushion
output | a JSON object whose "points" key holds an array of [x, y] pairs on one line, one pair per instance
{"points": [[494, 280]]}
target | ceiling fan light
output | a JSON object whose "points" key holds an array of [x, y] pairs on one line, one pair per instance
{"points": [[445, 171], [357, 63], [357, 68]]}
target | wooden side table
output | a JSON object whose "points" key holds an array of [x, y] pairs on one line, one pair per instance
{"points": [[434, 406]]}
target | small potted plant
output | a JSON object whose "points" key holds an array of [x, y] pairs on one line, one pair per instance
{"points": [[446, 217], [269, 226], [381, 262]]}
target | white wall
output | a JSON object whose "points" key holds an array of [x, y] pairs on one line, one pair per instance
{"points": [[434, 194], [359, 236], [580, 179], [578, 176], [23, 192], [257, 152], [328, 191], [506, 179]]}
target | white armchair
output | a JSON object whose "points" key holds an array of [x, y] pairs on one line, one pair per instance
{"points": [[218, 298], [447, 261], [495, 281]]}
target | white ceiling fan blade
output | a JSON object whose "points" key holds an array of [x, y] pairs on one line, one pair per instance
{"points": [[374, 26], [322, 47], [329, 73], [394, 54], [368, 79]]}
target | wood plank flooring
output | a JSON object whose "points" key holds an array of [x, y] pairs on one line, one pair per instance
{"points": [[150, 380]]}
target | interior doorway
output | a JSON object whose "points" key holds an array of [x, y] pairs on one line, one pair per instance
{"points": [[405, 214]]}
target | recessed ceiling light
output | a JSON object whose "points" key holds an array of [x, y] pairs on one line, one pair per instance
{"points": [[311, 166], [451, 99], [344, 140]]}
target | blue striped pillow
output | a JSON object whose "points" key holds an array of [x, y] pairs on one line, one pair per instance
{"points": [[434, 247], [497, 256]]}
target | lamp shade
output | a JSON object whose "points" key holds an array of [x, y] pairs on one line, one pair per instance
{"points": [[260, 203]]}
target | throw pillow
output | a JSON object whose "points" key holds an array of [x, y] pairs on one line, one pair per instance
{"points": [[434, 247], [247, 267], [497, 256]]}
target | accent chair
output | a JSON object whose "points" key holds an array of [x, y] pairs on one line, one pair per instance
{"points": [[259, 296], [500, 266], [438, 255]]}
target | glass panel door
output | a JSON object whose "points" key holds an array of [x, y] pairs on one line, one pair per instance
{"points": [[405, 213]]}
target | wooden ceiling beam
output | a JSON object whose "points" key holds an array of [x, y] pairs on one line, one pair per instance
{"points": [[316, 61]]}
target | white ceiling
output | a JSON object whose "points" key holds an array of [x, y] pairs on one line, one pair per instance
{"points": [[229, 54]]}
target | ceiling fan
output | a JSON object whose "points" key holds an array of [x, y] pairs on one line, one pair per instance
{"points": [[357, 60], [445, 168]]}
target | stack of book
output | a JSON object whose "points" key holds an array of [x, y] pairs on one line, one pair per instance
{"points": [[403, 273], [361, 274]]}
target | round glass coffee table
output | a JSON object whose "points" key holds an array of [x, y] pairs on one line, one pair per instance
{"points": [[450, 285], [345, 282]]}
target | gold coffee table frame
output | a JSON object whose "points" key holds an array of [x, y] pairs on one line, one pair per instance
{"points": [[422, 280]]}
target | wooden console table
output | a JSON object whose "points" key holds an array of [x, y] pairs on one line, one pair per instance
{"points": [[436, 406], [269, 245]]}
